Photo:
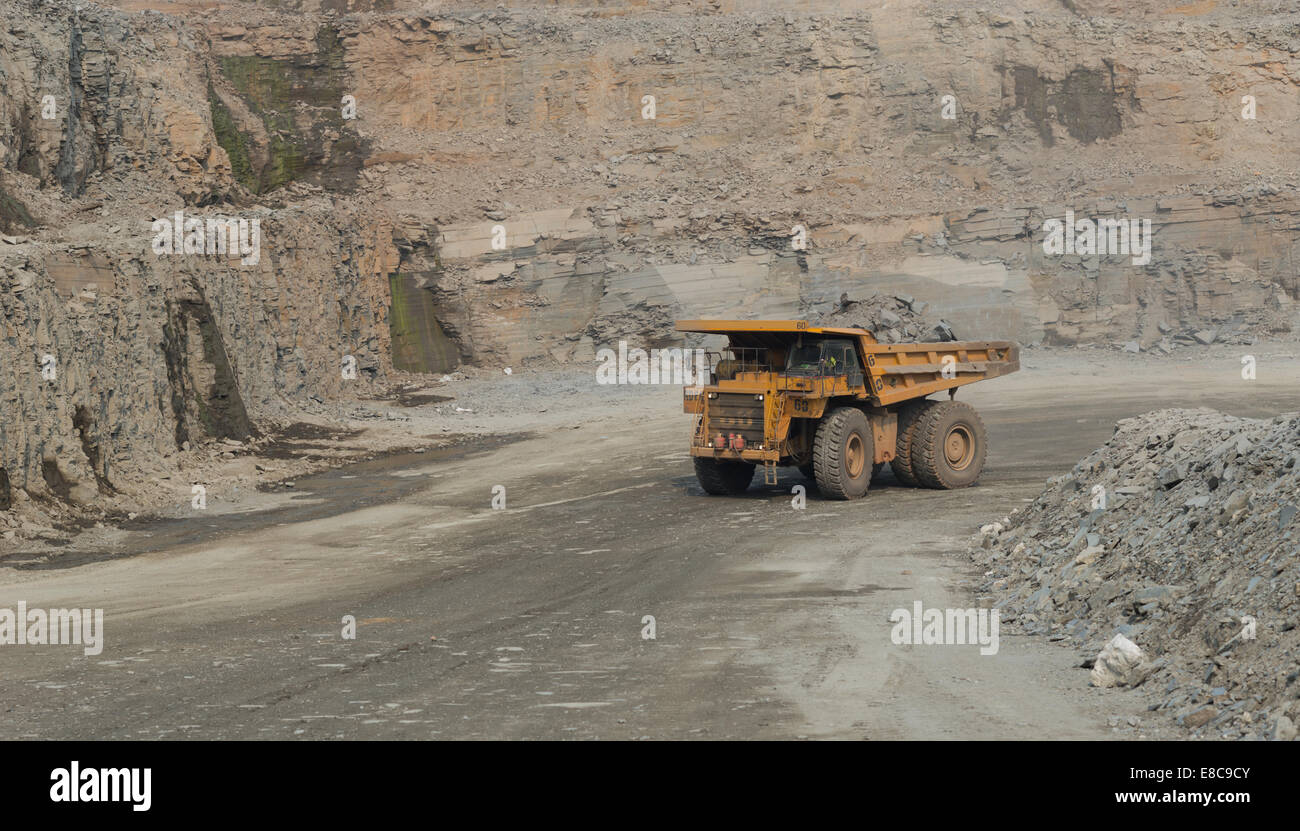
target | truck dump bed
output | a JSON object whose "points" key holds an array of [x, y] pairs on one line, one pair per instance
{"points": [[895, 372]]}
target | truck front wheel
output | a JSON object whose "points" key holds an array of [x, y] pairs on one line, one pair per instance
{"points": [[719, 478], [843, 454]]}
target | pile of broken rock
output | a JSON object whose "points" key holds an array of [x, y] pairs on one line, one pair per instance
{"points": [[1246, 330], [1169, 556], [890, 318]]}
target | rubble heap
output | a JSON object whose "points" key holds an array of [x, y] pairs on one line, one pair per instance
{"points": [[1244, 331], [1178, 534], [891, 318]]}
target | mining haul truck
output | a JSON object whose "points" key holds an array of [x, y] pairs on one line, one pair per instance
{"points": [[838, 405]]}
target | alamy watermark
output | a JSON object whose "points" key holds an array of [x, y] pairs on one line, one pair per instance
{"points": [[23, 626], [949, 627], [209, 236], [77, 784], [1107, 237], [689, 367]]}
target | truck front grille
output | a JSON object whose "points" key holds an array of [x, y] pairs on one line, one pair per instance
{"points": [[736, 412]]}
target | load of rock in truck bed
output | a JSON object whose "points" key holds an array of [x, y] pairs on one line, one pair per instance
{"points": [[1179, 535], [897, 318]]}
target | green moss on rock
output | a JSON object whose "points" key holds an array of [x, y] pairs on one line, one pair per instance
{"points": [[299, 101], [232, 141]]}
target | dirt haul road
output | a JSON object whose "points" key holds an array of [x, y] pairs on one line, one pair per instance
{"points": [[771, 622]]}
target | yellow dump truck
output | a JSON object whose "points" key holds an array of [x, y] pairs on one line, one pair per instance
{"points": [[838, 405]]}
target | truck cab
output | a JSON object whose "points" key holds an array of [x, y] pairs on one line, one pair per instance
{"points": [[822, 357]]}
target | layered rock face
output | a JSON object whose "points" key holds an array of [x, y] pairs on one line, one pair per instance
{"points": [[834, 120], [446, 184], [115, 359], [922, 147], [119, 351]]}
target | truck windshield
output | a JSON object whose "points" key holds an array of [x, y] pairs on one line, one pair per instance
{"points": [[804, 358], [833, 356]]}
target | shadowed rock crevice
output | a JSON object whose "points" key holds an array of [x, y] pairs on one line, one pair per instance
{"points": [[55, 480], [204, 399], [84, 148], [83, 422]]}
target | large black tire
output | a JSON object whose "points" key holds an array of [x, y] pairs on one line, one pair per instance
{"points": [[807, 471], [949, 446], [843, 451], [908, 417], [720, 478]]}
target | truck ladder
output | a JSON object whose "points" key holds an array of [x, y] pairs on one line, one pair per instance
{"points": [[769, 440]]}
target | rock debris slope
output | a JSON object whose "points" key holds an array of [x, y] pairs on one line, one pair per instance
{"points": [[1180, 535]]}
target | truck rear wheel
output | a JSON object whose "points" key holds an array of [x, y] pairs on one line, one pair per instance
{"points": [[908, 418], [949, 446], [723, 478], [843, 452]]}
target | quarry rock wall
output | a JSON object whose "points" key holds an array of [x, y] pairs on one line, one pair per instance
{"points": [[442, 185]]}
